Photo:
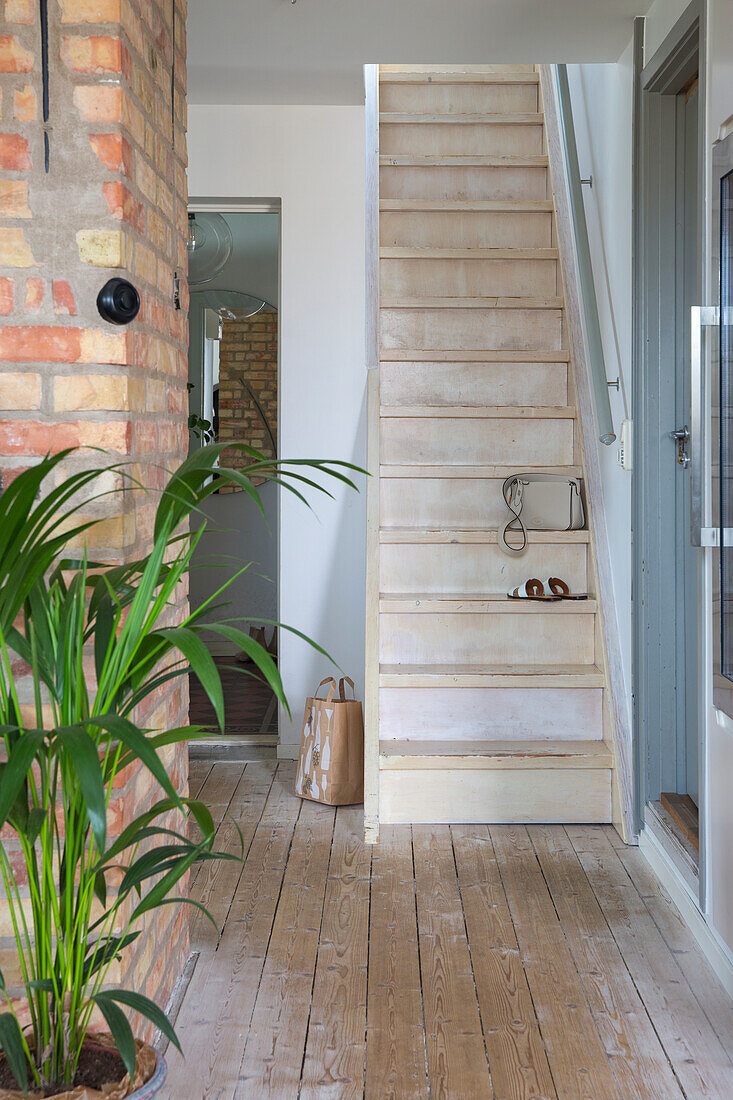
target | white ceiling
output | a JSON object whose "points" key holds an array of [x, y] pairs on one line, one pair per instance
{"points": [[313, 51]]}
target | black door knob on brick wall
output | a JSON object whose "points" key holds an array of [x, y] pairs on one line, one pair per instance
{"points": [[118, 302]]}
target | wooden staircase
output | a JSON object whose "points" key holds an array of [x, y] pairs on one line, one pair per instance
{"points": [[489, 710]]}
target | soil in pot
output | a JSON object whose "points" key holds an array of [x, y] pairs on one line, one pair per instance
{"points": [[100, 1073], [97, 1066]]}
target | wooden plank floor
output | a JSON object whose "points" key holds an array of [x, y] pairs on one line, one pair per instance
{"points": [[450, 962]]}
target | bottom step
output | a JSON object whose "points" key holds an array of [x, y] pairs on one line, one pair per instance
{"points": [[494, 782]]}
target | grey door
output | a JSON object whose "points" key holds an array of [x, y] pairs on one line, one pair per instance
{"points": [[668, 281], [687, 270]]}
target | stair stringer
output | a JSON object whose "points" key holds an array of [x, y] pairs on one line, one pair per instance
{"points": [[617, 724]]}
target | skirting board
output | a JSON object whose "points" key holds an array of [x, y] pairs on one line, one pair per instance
{"points": [[288, 752], [715, 951]]}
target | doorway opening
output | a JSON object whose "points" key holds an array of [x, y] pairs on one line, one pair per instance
{"points": [[234, 259], [667, 704]]}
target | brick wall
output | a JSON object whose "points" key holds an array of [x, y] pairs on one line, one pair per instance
{"points": [[248, 354], [99, 189]]}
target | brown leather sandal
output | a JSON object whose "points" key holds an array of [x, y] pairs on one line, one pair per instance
{"points": [[561, 590], [532, 589]]}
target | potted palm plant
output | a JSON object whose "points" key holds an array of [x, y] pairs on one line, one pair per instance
{"points": [[93, 642]]}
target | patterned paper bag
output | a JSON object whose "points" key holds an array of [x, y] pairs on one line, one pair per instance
{"points": [[331, 766]]}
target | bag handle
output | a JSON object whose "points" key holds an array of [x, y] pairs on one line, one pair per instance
{"points": [[331, 691], [350, 682], [516, 518]]}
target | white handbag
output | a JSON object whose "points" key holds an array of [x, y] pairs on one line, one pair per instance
{"points": [[540, 502]]}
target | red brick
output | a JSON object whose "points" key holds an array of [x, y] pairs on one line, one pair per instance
{"points": [[14, 58], [7, 296], [129, 41], [123, 205], [29, 437], [20, 11], [24, 104], [14, 199], [15, 249], [94, 54], [34, 437], [63, 298], [177, 401], [114, 152], [34, 291], [14, 154], [146, 438], [98, 104], [90, 11], [39, 343]]}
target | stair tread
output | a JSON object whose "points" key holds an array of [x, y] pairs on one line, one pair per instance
{"points": [[447, 206], [480, 412], [508, 118], [472, 535], [478, 604], [404, 252], [511, 754], [493, 302]]}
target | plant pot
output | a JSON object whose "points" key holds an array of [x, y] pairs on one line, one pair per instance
{"points": [[154, 1084]]}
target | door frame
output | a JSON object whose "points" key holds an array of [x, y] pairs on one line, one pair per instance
{"points": [[656, 84], [266, 205]]}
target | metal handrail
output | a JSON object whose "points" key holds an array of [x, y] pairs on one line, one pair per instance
{"points": [[606, 433]]}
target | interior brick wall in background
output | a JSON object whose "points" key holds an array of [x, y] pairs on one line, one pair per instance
{"points": [[96, 190], [248, 353]]}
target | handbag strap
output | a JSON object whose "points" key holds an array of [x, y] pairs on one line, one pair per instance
{"points": [[350, 682], [514, 523], [331, 691]]}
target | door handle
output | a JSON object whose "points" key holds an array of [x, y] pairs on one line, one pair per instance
{"points": [[700, 317], [682, 435]]}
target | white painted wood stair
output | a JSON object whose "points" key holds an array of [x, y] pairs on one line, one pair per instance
{"points": [[489, 709]]}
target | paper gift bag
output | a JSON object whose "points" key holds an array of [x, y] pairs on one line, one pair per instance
{"points": [[331, 765]]}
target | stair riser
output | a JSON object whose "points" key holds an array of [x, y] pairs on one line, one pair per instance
{"points": [[467, 442], [425, 138], [470, 568], [467, 714], [468, 99], [448, 329], [495, 797], [451, 182], [466, 229], [454, 278], [473, 384], [462, 503], [474, 639]]}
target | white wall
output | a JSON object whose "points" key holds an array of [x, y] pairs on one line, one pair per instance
{"points": [[602, 112], [312, 158]]}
